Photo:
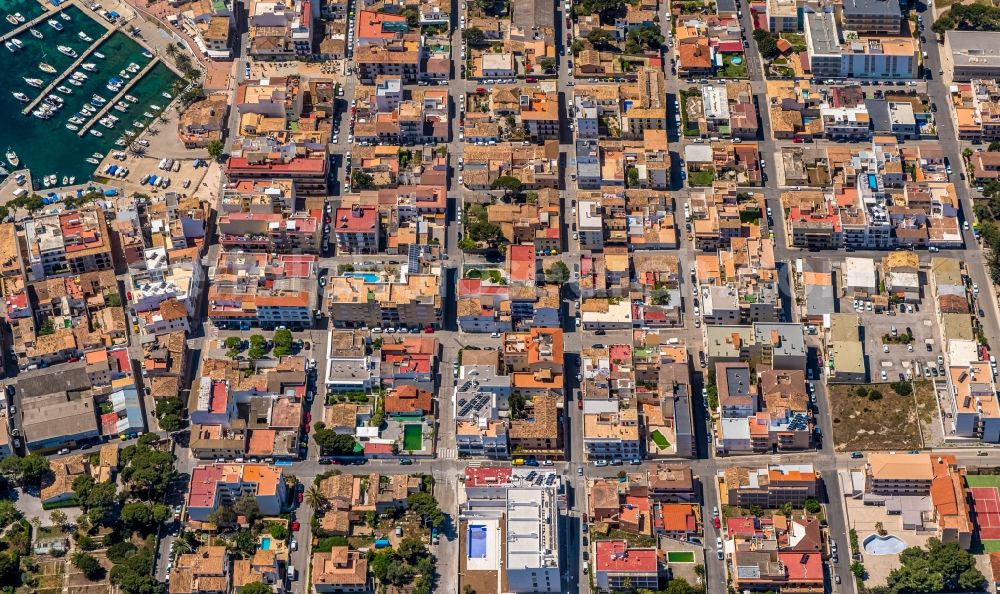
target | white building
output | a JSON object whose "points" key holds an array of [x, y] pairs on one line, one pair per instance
{"points": [[532, 541]]}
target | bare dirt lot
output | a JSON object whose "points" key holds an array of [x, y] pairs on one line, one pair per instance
{"points": [[877, 418]]}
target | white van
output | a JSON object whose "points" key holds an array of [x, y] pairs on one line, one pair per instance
{"points": [[20, 193]]}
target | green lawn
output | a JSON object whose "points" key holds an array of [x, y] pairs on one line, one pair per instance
{"points": [[680, 557], [660, 441], [983, 480], [702, 178], [731, 70]]}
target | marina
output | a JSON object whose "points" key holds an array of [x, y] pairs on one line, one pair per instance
{"points": [[47, 142]]}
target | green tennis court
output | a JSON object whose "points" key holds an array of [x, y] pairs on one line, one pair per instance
{"points": [[982, 480], [680, 557]]}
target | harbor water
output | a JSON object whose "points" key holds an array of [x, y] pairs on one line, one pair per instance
{"points": [[46, 146]]}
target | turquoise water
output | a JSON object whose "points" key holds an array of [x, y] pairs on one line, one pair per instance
{"points": [[29, 9], [265, 543], [369, 277], [46, 146]]}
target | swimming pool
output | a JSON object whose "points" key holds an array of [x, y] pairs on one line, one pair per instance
{"points": [[477, 541], [265, 543], [883, 545], [413, 437], [369, 277]]}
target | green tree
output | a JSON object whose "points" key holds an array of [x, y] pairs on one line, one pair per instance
{"points": [[170, 423], [361, 181], [118, 552], [812, 506], [245, 542], [767, 43], [147, 472], [632, 177], [557, 273], [902, 388], [333, 443], [9, 567], [233, 342], [474, 36], [943, 24], [426, 506], [681, 586], [88, 565], [315, 498], [278, 531], [507, 183], [247, 507], [994, 146], [215, 148], [28, 470], [283, 337], [600, 38], [256, 588], [223, 516], [171, 405], [113, 300]]}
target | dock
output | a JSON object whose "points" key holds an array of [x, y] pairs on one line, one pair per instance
{"points": [[62, 76], [48, 14], [117, 97]]}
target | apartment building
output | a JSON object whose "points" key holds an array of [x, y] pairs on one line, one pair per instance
{"points": [[278, 30], [357, 229], [968, 55], [263, 290], [300, 232], [872, 17], [215, 485], [618, 566], [373, 300], [612, 436], [769, 487], [532, 541], [71, 242]]}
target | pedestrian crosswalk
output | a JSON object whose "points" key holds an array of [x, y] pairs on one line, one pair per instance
{"points": [[447, 453]]}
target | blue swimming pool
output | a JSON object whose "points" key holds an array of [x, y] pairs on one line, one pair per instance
{"points": [[477, 541], [369, 277], [265, 543], [883, 545]]}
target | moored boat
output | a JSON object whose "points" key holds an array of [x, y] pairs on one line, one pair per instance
{"points": [[98, 55], [146, 54], [11, 19], [46, 68], [65, 16], [20, 17], [85, 37], [75, 82], [72, 127], [167, 95], [64, 90], [21, 96], [130, 98], [17, 43], [67, 50], [92, 160], [36, 33], [10, 46], [97, 133], [89, 67], [55, 24], [33, 82], [12, 157]]}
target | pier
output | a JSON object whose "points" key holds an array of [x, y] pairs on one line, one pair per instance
{"points": [[48, 14], [61, 77], [117, 97]]}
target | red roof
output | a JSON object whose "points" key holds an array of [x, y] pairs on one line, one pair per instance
{"points": [[357, 219], [803, 566], [616, 556], [522, 263], [378, 448], [741, 526], [295, 165], [204, 480], [730, 47], [487, 476]]}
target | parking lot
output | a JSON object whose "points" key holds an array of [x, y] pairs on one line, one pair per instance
{"points": [[888, 350]]}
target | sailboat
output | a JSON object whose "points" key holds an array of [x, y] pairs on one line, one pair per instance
{"points": [[11, 19], [46, 68], [33, 82]]}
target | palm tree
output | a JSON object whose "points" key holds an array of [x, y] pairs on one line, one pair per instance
{"points": [[315, 498]]}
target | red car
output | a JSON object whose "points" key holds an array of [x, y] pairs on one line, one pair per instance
{"points": [[305, 428], [299, 497], [579, 404], [129, 295], [716, 522], [428, 330], [295, 526], [327, 219], [309, 418], [797, 140]]}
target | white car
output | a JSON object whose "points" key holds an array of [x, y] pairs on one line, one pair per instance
{"points": [[460, 180]]}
